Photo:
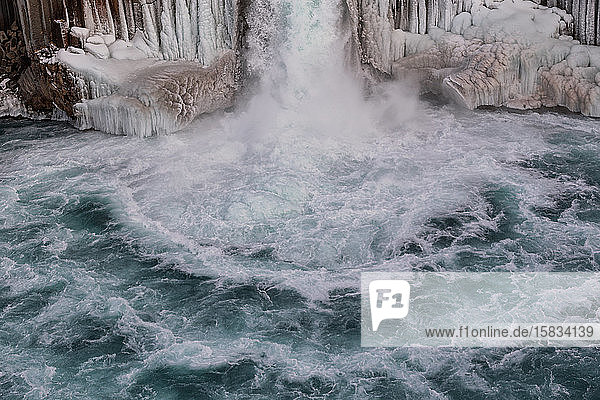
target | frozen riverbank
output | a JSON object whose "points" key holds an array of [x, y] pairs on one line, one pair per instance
{"points": [[516, 54], [150, 68]]}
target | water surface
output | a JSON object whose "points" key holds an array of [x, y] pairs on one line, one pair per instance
{"points": [[224, 261]]}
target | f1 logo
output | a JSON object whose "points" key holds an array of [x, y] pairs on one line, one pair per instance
{"points": [[389, 299]]}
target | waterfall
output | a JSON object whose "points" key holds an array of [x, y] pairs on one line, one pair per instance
{"points": [[297, 49], [299, 52]]}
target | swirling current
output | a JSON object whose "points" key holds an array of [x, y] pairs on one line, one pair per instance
{"points": [[223, 262], [201, 266]]}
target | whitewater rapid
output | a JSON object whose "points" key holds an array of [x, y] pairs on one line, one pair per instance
{"points": [[224, 261], [195, 259]]}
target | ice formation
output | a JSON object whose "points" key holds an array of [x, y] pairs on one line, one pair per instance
{"points": [[200, 30], [173, 29], [510, 53], [148, 97], [136, 67]]}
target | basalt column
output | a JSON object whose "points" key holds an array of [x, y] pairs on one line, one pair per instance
{"points": [[13, 57]]}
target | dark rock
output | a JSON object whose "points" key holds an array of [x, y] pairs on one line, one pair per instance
{"points": [[44, 86]]}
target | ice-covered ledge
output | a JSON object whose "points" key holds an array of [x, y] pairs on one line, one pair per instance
{"points": [[148, 97], [509, 53], [125, 67]]}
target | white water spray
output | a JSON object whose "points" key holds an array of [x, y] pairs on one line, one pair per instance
{"points": [[298, 50]]}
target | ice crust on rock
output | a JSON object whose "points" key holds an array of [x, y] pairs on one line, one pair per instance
{"points": [[143, 68], [122, 50], [461, 22], [148, 97], [99, 50], [80, 33], [95, 39], [10, 104], [512, 53]]}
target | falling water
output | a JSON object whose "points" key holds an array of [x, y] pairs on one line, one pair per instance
{"points": [[223, 262]]}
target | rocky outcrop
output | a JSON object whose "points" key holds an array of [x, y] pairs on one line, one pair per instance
{"points": [[153, 64], [48, 87], [13, 61], [510, 53], [13, 58]]}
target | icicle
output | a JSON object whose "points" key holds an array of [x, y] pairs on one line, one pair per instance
{"points": [[110, 20], [467, 5], [446, 16], [168, 39], [576, 29], [582, 20], [149, 17], [436, 12], [430, 15], [230, 15], [207, 32], [194, 26], [590, 21], [183, 30], [422, 17], [129, 14], [404, 15], [219, 24], [413, 19], [88, 16], [123, 32], [598, 27], [381, 7]]}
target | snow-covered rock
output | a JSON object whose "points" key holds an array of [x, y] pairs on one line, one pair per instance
{"points": [[510, 53], [75, 50], [99, 50], [148, 97], [95, 39], [80, 33], [108, 38], [122, 50]]}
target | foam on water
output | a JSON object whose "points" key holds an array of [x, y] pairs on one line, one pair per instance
{"points": [[170, 262], [224, 262]]}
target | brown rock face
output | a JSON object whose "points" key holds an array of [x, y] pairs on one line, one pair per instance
{"points": [[13, 57], [44, 86]]}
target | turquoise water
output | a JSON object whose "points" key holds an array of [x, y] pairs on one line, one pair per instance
{"points": [[222, 262]]}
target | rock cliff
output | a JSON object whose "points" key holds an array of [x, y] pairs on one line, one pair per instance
{"points": [[512, 53], [149, 67]]}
